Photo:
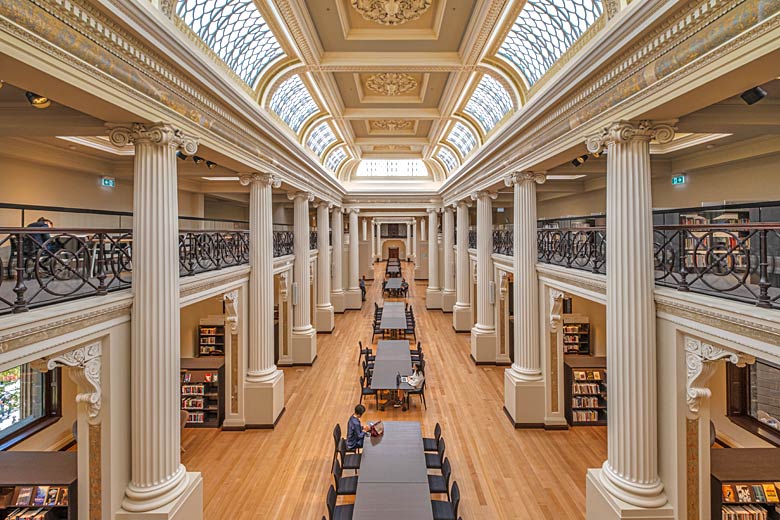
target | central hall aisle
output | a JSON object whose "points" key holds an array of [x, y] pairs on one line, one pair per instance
{"points": [[503, 473]]}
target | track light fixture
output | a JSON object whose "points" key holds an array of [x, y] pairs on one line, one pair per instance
{"points": [[181, 155], [580, 160], [753, 96], [211, 165], [38, 101], [197, 160], [596, 155]]}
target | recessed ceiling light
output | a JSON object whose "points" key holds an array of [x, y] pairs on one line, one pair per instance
{"points": [[564, 177], [219, 178]]}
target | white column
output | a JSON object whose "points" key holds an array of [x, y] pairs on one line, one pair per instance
{"points": [[408, 240], [365, 229], [414, 241], [523, 383], [378, 253], [373, 240], [324, 318], [157, 477], [304, 344], [353, 296], [423, 235], [433, 293], [337, 290], [461, 311], [630, 473], [483, 334], [264, 385], [448, 290]]}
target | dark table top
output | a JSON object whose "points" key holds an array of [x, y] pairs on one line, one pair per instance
{"points": [[393, 283], [393, 269], [393, 316], [392, 349], [392, 358]]}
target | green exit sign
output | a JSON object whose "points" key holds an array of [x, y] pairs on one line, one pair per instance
{"points": [[107, 182], [678, 179]]}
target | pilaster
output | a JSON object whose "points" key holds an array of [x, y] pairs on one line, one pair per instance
{"points": [[461, 310], [448, 244], [303, 342], [337, 289], [324, 319], [433, 292], [483, 334], [353, 296]]}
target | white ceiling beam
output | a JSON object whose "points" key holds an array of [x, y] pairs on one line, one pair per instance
{"points": [[388, 61], [391, 139], [392, 113]]}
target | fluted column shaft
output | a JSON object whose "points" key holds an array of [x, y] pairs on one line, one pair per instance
{"points": [[373, 240], [485, 316], [423, 235], [408, 239], [157, 476], [433, 250], [323, 252], [365, 229], [631, 470], [414, 240], [527, 365], [354, 252], [302, 309], [462, 297], [449, 244], [338, 250]]}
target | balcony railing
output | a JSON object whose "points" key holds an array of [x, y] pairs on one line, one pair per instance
{"points": [[283, 243], [503, 242], [472, 238], [53, 265], [312, 239]]}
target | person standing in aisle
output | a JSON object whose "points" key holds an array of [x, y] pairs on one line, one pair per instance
{"points": [[363, 287]]}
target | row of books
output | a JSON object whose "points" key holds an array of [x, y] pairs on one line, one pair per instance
{"points": [[585, 402], [765, 492], [208, 377], [207, 350], [40, 496], [586, 388], [571, 329], [584, 415], [195, 417], [39, 513], [192, 402], [744, 513], [587, 375], [192, 390], [572, 339], [209, 331], [208, 340]]}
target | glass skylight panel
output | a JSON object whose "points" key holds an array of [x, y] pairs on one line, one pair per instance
{"points": [[544, 30], [391, 168], [462, 138], [489, 103], [235, 31], [320, 138], [293, 103], [335, 158], [448, 158]]}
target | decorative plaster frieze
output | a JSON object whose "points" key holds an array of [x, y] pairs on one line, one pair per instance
{"points": [[86, 363], [392, 125], [391, 83], [625, 131], [391, 12]]}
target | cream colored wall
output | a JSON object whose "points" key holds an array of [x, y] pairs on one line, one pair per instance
{"points": [[750, 180], [189, 321], [733, 434], [60, 433], [218, 209], [597, 313]]}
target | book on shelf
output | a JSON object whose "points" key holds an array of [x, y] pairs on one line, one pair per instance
{"points": [[744, 512], [585, 415], [770, 492], [24, 496], [51, 496], [586, 388], [745, 493], [192, 390], [39, 497], [729, 495]]}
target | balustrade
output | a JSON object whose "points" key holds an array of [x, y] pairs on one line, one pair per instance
{"points": [[503, 242], [472, 238], [313, 239], [284, 243]]}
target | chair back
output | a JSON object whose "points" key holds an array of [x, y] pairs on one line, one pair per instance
{"points": [[336, 435], [362, 382], [436, 430], [360, 344], [337, 472], [446, 471], [342, 449], [331, 501], [455, 497], [440, 448]]}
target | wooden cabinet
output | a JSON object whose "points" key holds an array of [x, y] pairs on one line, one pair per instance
{"points": [[585, 390], [203, 391], [44, 483], [745, 479]]}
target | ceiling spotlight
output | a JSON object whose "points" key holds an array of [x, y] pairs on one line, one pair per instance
{"points": [[38, 101], [753, 96], [181, 155], [596, 155], [197, 159], [580, 160], [211, 165]]}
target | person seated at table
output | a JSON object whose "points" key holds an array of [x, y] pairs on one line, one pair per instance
{"points": [[356, 431], [404, 287], [417, 378]]}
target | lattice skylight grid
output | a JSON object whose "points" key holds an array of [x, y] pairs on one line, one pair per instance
{"points": [[335, 158], [446, 156], [462, 138], [235, 31], [489, 103], [320, 138], [391, 168], [293, 103], [543, 32]]}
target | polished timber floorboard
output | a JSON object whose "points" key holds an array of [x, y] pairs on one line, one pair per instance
{"points": [[503, 473]]}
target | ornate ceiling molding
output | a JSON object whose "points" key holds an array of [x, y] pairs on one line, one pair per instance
{"points": [[392, 125], [391, 12], [391, 83]]}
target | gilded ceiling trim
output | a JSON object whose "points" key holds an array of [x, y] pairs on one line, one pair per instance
{"points": [[391, 83], [391, 12]]}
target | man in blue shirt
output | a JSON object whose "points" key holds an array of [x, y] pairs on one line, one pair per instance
{"points": [[356, 431]]}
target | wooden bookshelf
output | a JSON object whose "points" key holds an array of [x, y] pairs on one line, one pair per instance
{"points": [[742, 481], [576, 334], [585, 392], [41, 485], [203, 391], [211, 337]]}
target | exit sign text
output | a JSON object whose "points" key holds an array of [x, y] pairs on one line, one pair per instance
{"points": [[678, 179]]}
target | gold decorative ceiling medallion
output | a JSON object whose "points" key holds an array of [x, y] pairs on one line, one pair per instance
{"points": [[393, 148], [391, 83], [391, 12], [392, 125]]}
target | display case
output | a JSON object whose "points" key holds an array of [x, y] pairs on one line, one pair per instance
{"points": [[744, 484], [585, 381], [38, 485], [203, 391], [576, 334]]}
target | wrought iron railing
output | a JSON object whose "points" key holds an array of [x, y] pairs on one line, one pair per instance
{"points": [[313, 239], [472, 238], [503, 242], [42, 266], [576, 248], [284, 243]]}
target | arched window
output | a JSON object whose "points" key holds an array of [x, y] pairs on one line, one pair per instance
{"points": [[293, 103], [489, 103], [320, 138], [446, 156], [235, 31], [544, 30], [462, 138], [335, 158]]}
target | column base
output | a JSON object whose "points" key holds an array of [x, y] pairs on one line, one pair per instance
{"points": [[555, 423], [188, 506], [264, 402], [483, 346], [600, 504], [353, 299], [323, 319], [337, 300], [447, 301], [524, 401], [303, 345], [461, 318], [432, 298]]}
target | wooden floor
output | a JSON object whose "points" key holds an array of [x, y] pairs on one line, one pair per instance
{"points": [[503, 473]]}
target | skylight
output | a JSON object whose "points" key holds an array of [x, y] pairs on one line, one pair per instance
{"points": [[446, 156], [235, 31], [544, 30], [489, 103], [391, 168], [335, 158], [293, 103], [320, 138], [462, 138]]}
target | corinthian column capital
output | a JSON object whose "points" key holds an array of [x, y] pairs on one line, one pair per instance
{"points": [[523, 177], [263, 178], [160, 134], [625, 131]]}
